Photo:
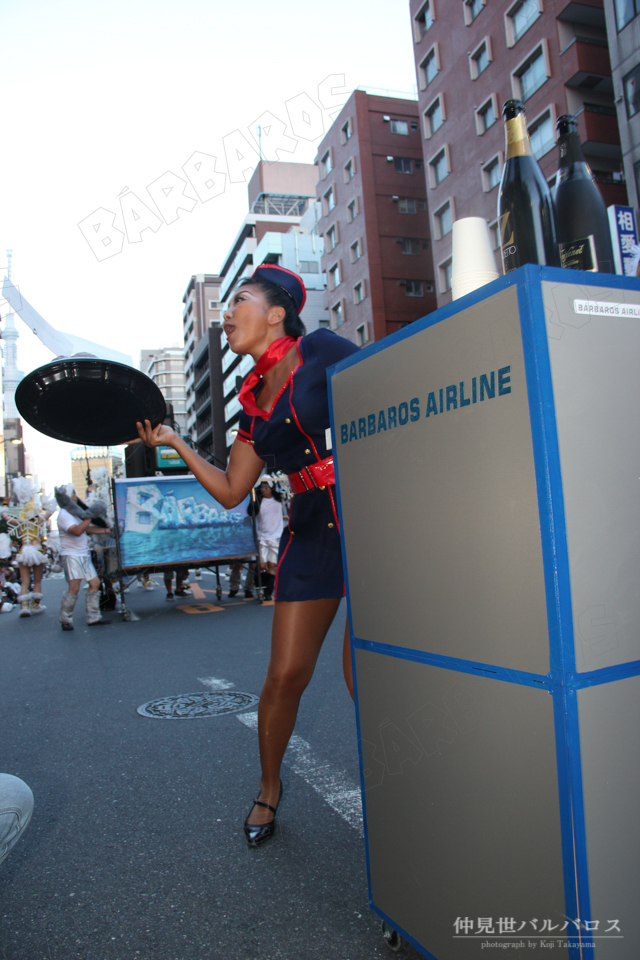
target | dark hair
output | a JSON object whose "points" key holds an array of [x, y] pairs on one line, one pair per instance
{"points": [[274, 490], [278, 297]]}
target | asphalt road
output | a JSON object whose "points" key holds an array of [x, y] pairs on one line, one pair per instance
{"points": [[136, 848]]}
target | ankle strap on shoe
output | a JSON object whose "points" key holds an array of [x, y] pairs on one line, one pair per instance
{"points": [[261, 803]]}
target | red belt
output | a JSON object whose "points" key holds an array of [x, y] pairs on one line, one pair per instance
{"points": [[319, 474]]}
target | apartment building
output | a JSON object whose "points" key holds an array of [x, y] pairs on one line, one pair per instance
{"points": [[208, 398], [471, 56], [282, 228], [375, 221], [166, 368], [201, 309], [623, 28]]}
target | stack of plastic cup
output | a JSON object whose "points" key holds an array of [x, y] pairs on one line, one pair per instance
{"points": [[472, 260]]}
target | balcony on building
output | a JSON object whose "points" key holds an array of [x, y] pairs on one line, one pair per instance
{"points": [[598, 130], [586, 64]]}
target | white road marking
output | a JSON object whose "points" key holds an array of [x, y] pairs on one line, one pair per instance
{"points": [[216, 683], [333, 786]]}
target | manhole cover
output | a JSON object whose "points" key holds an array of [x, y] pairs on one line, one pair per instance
{"points": [[192, 706]]}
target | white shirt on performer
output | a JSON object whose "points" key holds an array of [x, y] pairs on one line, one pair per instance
{"points": [[269, 520], [71, 546]]}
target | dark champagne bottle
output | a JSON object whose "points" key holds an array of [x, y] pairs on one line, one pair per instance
{"points": [[525, 206], [582, 225]]}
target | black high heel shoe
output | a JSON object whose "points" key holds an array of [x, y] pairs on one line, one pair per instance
{"points": [[257, 833]]}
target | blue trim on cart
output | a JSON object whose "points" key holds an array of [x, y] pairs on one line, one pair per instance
{"points": [[579, 826], [593, 678], [489, 670], [351, 638], [566, 806], [575, 681], [546, 458]]}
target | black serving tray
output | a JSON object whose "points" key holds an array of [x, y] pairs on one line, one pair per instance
{"points": [[86, 400]]}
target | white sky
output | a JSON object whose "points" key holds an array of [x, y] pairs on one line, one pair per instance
{"points": [[102, 96]]}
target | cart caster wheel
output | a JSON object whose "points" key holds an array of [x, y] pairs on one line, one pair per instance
{"points": [[391, 937], [260, 594], [219, 593]]}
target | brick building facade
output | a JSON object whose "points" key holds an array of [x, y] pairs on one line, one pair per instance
{"points": [[374, 219]]}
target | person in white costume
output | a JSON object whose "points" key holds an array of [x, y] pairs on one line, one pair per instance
{"points": [[269, 524], [74, 523], [27, 523]]}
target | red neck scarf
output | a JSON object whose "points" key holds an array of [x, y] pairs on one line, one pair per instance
{"points": [[272, 355]]}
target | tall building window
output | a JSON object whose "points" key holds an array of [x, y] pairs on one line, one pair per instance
{"points": [[532, 73], [480, 60], [410, 245], [444, 220], [345, 131], [423, 20], [486, 116], [361, 335], [434, 117], [471, 10], [520, 17], [491, 174], [414, 288], [444, 271], [438, 168], [494, 233], [329, 201], [332, 237], [355, 251], [325, 165], [400, 126], [407, 205], [631, 84], [402, 165], [309, 266], [334, 276], [626, 10], [336, 314], [541, 135], [352, 210], [349, 170], [358, 293], [429, 67]]}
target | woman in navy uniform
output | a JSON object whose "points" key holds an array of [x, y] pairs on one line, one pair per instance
{"points": [[282, 427]]}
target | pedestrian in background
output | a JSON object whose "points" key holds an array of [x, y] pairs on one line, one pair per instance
{"points": [[269, 524], [76, 558], [182, 575]]}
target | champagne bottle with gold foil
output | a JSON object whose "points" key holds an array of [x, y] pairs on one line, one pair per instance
{"points": [[525, 206], [582, 224]]}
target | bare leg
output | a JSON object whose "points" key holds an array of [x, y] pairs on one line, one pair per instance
{"points": [[37, 578], [296, 638], [25, 579]]}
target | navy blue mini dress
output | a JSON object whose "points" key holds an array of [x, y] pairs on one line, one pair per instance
{"points": [[292, 437]]}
